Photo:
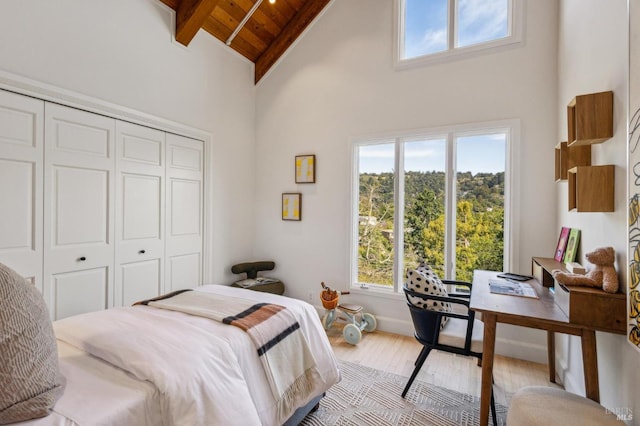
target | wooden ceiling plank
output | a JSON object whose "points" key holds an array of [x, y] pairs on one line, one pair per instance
{"points": [[252, 33], [190, 16], [221, 32], [296, 4], [233, 8], [272, 18], [216, 28], [249, 34], [265, 16], [226, 19], [260, 15], [288, 35]]}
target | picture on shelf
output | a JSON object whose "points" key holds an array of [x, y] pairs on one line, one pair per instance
{"points": [[562, 243], [572, 246]]}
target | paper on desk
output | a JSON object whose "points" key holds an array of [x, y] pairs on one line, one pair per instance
{"points": [[512, 288]]}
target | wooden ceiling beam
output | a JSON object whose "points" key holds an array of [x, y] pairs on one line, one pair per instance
{"points": [[190, 16], [289, 34]]}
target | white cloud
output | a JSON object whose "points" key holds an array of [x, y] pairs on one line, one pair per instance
{"points": [[481, 20], [429, 42]]}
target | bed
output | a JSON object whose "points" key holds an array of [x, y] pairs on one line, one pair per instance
{"points": [[144, 365]]}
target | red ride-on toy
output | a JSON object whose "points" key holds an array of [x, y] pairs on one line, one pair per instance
{"points": [[357, 320]]}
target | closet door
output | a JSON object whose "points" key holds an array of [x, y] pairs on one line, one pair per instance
{"points": [[139, 213], [78, 211], [184, 213], [21, 151]]}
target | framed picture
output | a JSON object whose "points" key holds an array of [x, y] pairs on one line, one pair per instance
{"points": [[305, 169], [572, 246], [291, 206], [562, 244]]}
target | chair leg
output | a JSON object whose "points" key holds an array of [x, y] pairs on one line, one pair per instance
{"points": [[424, 348], [421, 359], [493, 410]]}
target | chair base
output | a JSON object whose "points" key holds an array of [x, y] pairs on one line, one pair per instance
{"points": [[422, 357]]}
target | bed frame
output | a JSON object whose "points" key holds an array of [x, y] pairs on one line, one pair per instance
{"points": [[302, 412]]}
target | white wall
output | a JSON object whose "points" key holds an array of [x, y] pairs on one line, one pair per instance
{"points": [[593, 57], [339, 83], [121, 52]]}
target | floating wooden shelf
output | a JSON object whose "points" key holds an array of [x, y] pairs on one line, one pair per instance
{"points": [[568, 157], [591, 188], [561, 161], [590, 118]]}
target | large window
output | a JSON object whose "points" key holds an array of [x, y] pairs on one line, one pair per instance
{"points": [[441, 197], [429, 29]]}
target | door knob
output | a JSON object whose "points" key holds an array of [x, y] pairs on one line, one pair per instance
{"points": [[142, 252], [82, 259]]}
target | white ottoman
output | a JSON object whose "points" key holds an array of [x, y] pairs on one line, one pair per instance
{"points": [[540, 405]]}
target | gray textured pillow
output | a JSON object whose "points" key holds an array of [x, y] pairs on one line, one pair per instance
{"points": [[30, 381]]}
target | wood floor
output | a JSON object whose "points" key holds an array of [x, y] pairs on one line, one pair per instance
{"points": [[396, 354]]}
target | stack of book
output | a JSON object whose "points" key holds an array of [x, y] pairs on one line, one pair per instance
{"points": [[567, 247]]}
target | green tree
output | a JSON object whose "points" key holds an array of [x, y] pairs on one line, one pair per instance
{"points": [[375, 248], [479, 223], [419, 212]]}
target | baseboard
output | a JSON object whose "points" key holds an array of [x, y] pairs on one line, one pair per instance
{"points": [[506, 347], [571, 382]]}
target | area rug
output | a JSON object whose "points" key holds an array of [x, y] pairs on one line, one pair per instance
{"points": [[367, 396]]}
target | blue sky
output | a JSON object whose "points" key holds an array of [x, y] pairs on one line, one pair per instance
{"points": [[485, 153], [426, 24]]}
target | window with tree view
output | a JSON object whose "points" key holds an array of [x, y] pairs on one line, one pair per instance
{"points": [[438, 198]]}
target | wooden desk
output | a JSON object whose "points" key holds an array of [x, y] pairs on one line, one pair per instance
{"points": [[540, 313]]}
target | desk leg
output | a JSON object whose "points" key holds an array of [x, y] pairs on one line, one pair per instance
{"points": [[590, 361], [551, 355], [488, 349]]}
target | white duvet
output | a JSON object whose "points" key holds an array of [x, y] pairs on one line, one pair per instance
{"points": [[204, 372]]}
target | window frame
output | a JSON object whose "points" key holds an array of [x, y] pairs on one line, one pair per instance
{"points": [[510, 127], [514, 26]]}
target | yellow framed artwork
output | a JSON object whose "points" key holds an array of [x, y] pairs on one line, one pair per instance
{"points": [[291, 206], [306, 168]]}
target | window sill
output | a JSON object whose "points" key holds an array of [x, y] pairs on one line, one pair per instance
{"points": [[457, 54], [376, 292]]}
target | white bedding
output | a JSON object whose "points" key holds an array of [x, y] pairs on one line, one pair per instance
{"points": [[210, 375], [97, 393]]}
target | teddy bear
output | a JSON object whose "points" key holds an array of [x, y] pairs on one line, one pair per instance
{"points": [[603, 275]]}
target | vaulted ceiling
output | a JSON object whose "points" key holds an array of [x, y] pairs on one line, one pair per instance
{"points": [[259, 30]]}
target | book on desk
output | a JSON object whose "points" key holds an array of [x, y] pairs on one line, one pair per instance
{"points": [[512, 288]]}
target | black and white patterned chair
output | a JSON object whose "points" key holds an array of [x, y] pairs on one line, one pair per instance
{"points": [[442, 321]]}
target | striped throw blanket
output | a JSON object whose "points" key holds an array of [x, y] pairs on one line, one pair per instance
{"points": [[275, 331]]}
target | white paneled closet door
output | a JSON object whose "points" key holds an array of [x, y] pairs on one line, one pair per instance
{"points": [[184, 222], [140, 170], [78, 211], [21, 151]]}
